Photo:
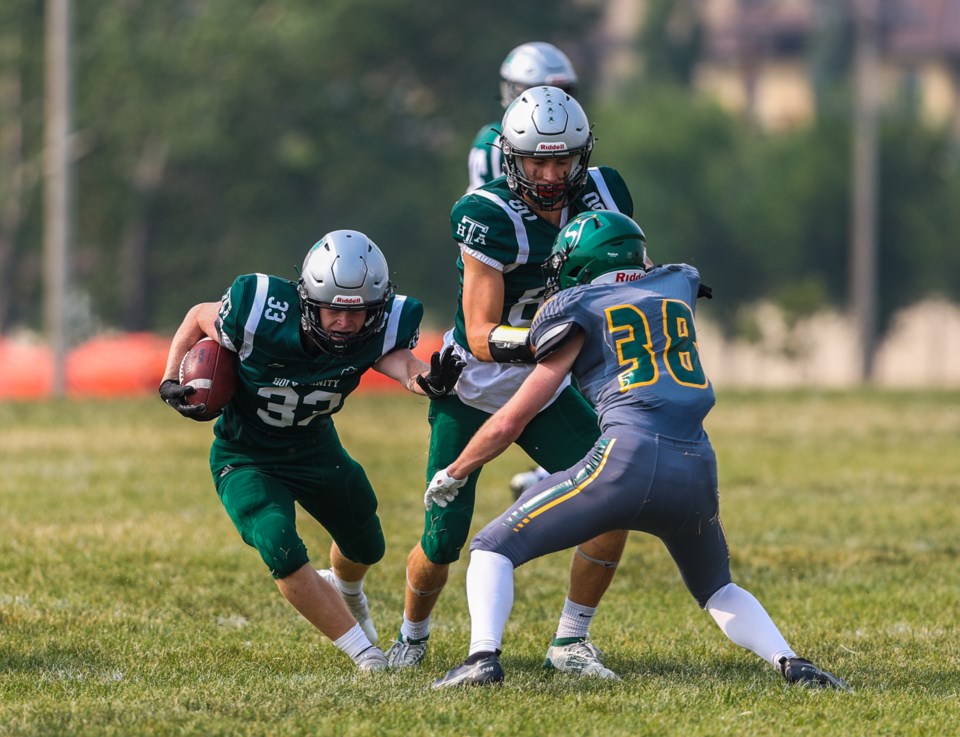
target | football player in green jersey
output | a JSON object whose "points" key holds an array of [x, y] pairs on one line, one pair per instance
{"points": [[527, 65], [302, 348], [505, 231]]}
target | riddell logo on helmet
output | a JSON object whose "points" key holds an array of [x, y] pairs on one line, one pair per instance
{"points": [[560, 146], [628, 276], [341, 299]]}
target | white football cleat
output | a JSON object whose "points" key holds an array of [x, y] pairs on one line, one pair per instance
{"points": [[578, 656]]}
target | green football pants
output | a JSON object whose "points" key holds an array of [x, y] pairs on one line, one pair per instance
{"points": [[557, 438]]}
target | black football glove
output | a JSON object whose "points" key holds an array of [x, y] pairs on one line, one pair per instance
{"points": [[175, 394], [704, 291], [444, 371]]}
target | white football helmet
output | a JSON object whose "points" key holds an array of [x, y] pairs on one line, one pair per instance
{"points": [[344, 270], [545, 122], [532, 64]]}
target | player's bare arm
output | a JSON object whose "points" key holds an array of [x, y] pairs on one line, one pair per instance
{"points": [[482, 304], [199, 321], [505, 426], [435, 379], [404, 368]]}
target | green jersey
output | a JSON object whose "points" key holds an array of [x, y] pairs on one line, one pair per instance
{"points": [[497, 227], [287, 394], [484, 162]]}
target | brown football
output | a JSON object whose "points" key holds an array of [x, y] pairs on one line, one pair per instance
{"points": [[211, 369]]}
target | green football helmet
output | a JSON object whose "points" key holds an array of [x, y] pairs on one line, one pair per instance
{"points": [[596, 244]]}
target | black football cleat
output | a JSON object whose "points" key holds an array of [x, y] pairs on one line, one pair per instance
{"points": [[486, 671], [804, 673]]}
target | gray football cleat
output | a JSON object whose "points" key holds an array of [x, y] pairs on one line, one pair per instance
{"points": [[406, 653], [579, 656], [804, 673], [372, 659], [485, 671]]}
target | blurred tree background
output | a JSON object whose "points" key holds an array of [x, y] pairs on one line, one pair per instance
{"points": [[219, 137]]}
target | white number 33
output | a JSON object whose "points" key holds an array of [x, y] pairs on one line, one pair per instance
{"points": [[276, 311]]}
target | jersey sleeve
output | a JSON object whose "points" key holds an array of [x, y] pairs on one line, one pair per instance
{"points": [[692, 277], [235, 307], [483, 162], [555, 323], [611, 192], [402, 329], [481, 225]]}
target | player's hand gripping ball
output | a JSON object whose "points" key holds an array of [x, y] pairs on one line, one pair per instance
{"points": [[208, 380]]}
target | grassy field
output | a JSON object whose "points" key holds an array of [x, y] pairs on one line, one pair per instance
{"points": [[129, 606]]}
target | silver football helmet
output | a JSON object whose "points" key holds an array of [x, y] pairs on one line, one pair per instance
{"points": [[344, 270], [545, 122], [532, 64]]}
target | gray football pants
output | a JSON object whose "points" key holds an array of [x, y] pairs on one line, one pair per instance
{"points": [[633, 480]]}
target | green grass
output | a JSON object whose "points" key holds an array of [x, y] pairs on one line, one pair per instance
{"points": [[129, 606]]}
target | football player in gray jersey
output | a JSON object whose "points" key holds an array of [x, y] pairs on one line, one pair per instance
{"points": [[302, 348], [505, 231], [626, 331]]}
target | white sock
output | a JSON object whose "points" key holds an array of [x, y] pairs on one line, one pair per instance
{"points": [[744, 620], [415, 630], [353, 642], [490, 598], [350, 588], [575, 620]]}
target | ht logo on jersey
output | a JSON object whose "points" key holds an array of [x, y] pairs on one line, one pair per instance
{"points": [[472, 232]]}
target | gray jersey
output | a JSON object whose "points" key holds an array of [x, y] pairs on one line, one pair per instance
{"points": [[639, 365], [653, 469]]}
